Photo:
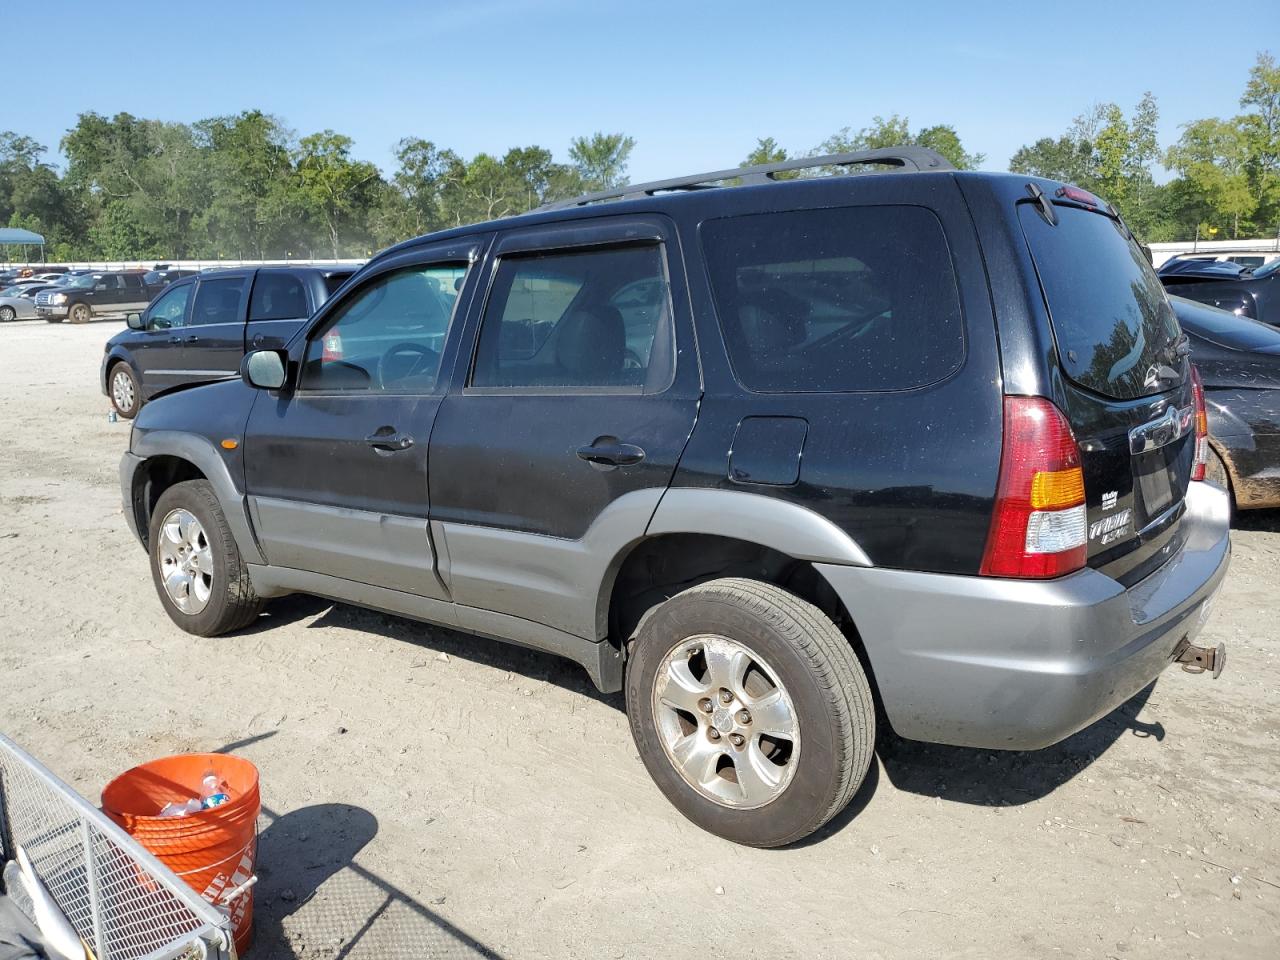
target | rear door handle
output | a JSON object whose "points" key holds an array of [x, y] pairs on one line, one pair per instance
{"points": [[389, 441], [610, 453], [175, 339], [193, 339]]}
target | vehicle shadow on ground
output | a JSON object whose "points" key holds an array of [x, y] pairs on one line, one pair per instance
{"points": [[1003, 778], [531, 664]]}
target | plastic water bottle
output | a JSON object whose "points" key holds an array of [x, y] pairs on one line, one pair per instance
{"points": [[183, 809], [214, 792]]}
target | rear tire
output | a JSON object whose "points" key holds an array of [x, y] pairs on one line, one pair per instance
{"points": [[123, 388], [8, 314], [80, 313], [196, 566], [750, 710]]}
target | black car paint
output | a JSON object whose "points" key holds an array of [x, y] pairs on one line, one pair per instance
{"points": [[209, 347], [910, 474], [1225, 285], [1242, 396]]}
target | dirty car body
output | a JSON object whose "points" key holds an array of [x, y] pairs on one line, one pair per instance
{"points": [[549, 429], [1239, 360]]}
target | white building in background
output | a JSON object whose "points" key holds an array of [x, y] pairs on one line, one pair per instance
{"points": [[1249, 252]]}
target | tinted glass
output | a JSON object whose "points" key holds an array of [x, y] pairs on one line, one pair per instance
{"points": [[1110, 315], [218, 301], [599, 318], [388, 336], [334, 281], [170, 310], [277, 296], [1267, 269], [853, 299], [1225, 329]]}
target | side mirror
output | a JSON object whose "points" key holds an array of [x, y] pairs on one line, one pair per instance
{"points": [[134, 320], [264, 369]]}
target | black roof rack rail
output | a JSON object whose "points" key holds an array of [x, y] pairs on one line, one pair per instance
{"points": [[915, 159]]}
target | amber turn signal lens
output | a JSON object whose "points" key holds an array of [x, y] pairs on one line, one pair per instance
{"points": [[230, 444], [1057, 488]]}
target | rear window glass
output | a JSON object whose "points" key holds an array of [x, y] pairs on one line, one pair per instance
{"points": [[839, 300], [334, 280], [1110, 315], [277, 296], [218, 301], [1226, 329]]}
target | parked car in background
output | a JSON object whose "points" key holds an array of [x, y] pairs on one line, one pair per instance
{"points": [[157, 279], [742, 452], [1239, 363], [1242, 290], [18, 302], [200, 326], [80, 298]]}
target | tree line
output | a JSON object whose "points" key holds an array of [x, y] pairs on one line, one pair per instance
{"points": [[246, 186]]}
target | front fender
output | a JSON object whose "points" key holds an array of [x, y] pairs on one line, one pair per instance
{"points": [[210, 461]]}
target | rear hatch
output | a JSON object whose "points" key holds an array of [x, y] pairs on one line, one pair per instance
{"points": [[1126, 388]]}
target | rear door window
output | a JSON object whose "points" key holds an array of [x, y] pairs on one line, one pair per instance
{"points": [[218, 301], [838, 300], [277, 296], [1110, 316]]}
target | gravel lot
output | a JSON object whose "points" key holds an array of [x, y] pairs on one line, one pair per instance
{"points": [[433, 794]]}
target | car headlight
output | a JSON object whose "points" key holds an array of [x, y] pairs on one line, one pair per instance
{"points": [[59, 298]]}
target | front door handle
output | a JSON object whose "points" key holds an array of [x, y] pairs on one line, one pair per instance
{"points": [[193, 339], [389, 440], [175, 339], [608, 452]]}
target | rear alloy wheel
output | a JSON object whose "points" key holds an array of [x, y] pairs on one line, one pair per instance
{"points": [[80, 313], [750, 710], [125, 394], [7, 313]]}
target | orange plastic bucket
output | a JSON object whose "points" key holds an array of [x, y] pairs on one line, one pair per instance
{"points": [[212, 850]]}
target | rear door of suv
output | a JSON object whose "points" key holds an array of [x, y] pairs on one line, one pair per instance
{"points": [[1125, 382], [571, 403]]}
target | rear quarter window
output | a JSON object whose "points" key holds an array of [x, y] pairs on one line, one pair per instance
{"points": [[838, 300]]}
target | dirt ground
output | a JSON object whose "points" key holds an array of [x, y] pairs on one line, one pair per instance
{"points": [[431, 794]]}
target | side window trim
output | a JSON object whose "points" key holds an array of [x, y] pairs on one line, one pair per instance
{"points": [[571, 239]]}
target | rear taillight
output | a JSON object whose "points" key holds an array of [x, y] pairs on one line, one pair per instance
{"points": [[1038, 527], [1202, 426]]}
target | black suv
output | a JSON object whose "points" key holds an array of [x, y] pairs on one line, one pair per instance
{"points": [[766, 456], [82, 296], [200, 326]]}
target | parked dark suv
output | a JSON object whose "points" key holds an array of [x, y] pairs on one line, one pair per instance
{"points": [[82, 296], [760, 455], [200, 326]]}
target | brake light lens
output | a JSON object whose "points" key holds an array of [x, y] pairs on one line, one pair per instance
{"points": [[1038, 526], [1076, 194], [1201, 461]]}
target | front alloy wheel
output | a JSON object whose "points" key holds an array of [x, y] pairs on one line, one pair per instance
{"points": [[124, 391], [186, 562]]}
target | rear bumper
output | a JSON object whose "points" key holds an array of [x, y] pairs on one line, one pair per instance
{"points": [[1020, 665]]}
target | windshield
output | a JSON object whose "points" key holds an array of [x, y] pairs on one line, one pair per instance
{"points": [[1266, 269], [1112, 321], [79, 283]]}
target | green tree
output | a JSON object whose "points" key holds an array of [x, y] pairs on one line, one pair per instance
{"points": [[895, 131], [1213, 155], [337, 190], [601, 159]]}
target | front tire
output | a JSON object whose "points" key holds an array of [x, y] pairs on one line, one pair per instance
{"points": [[198, 572], [750, 710], [125, 393], [80, 313]]}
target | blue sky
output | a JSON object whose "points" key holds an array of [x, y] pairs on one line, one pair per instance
{"points": [[694, 83]]}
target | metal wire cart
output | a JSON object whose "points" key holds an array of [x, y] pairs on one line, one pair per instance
{"points": [[122, 902]]}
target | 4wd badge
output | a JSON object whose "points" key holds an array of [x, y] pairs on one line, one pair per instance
{"points": [[1110, 528]]}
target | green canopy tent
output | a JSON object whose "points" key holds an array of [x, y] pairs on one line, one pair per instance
{"points": [[14, 237]]}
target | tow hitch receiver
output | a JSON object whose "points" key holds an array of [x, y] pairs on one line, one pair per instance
{"points": [[1202, 659]]}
